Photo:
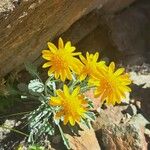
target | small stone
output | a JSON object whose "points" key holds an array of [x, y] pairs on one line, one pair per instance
{"points": [[139, 119], [86, 140], [147, 132], [132, 101], [132, 110], [138, 104], [56, 139], [126, 100], [18, 123]]}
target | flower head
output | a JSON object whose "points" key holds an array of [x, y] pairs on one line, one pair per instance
{"points": [[61, 60], [111, 85], [73, 106], [90, 65]]}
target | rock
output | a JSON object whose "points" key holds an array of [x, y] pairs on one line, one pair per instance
{"points": [[96, 101], [130, 32], [139, 120], [85, 141], [122, 37], [116, 5], [7, 5], [121, 138], [30, 29], [138, 104], [141, 79], [8, 124], [32, 23], [142, 95], [110, 115], [116, 131], [131, 109]]}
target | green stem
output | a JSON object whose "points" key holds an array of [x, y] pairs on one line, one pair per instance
{"points": [[16, 114], [63, 137], [14, 130], [86, 88], [74, 84]]}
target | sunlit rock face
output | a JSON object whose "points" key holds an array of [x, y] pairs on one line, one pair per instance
{"points": [[26, 25]]}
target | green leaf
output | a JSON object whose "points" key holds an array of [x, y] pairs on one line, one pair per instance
{"points": [[36, 147], [31, 69], [90, 116], [65, 140], [87, 123]]}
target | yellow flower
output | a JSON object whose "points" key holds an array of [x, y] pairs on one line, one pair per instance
{"points": [[61, 60], [73, 106], [90, 65], [111, 85]]}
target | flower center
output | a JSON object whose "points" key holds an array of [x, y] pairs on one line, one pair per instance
{"points": [[59, 62], [70, 107], [107, 86]]}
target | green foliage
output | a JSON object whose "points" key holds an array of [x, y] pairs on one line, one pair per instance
{"points": [[9, 94], [41, 121], [32, 69], [36, 147]]}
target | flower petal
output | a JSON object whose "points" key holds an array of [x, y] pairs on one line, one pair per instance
{"points": [[47, 64], [52, 47], [66, 90], [95, 57], [111, 67], [55, 101], [76, 91], [71, 120], [60, 43], [50, 71], [119, 71]]}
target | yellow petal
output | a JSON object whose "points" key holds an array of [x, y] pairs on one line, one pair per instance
{"points": [[83, 59], [56, 75], [60, 43], [63, 75], [76, 91], [76, 54], [60, 94], [55, 101], [76, 65], [87, 56], [46, 52], [96, 55], [119, 71], [67, 45], [47, 64], [66, 90], [82, 76], [71, 120], [50, 71], [52, 47], [46, 56], [68, 73], [111, 67], [65, 119]]}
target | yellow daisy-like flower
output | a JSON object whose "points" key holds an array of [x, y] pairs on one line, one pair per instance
{"points": [[90, 65], [61, 60], [73, 106], [111, 85]]}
